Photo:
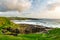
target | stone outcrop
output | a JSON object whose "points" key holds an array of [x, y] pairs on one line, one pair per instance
{"points": [[26, 30]]}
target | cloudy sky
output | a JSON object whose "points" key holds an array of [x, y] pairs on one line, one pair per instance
{"points": [[30, 8]]}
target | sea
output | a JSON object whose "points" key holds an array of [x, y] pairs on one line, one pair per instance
{"points": [[54, 23]]}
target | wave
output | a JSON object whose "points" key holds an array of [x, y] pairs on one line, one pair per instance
{"points": [[47, 23]]}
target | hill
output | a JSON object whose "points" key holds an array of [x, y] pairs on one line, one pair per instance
{"points": [[9, 31]]}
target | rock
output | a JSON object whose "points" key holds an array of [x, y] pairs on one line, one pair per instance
{"points": [[14, 32], [4, 31], [26, 30]]}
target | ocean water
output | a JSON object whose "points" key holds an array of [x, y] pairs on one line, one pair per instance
{"points": [[55, 23]]}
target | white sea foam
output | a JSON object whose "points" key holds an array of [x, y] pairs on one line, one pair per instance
{"points": [[38, 22]]}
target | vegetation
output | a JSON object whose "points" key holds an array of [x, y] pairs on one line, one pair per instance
{"points": [[54, 35], [4, 23], [21, 18]]}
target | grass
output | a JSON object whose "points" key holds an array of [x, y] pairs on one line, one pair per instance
{"points": [[51, 35], [23, 37]]}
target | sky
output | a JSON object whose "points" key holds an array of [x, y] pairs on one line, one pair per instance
{"points": [[30, 8]]}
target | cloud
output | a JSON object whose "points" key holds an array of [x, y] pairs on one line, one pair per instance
{"points": [[40, 9], [15, 5], [50, 9]]}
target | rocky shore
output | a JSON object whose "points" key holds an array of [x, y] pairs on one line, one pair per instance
{"points": [[25, 29]]}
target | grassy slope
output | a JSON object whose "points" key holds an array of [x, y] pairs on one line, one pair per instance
{"points": [[4, 22], [52, 35]]}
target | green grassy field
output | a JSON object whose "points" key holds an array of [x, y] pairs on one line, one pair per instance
{"points": [[51, 35]]}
